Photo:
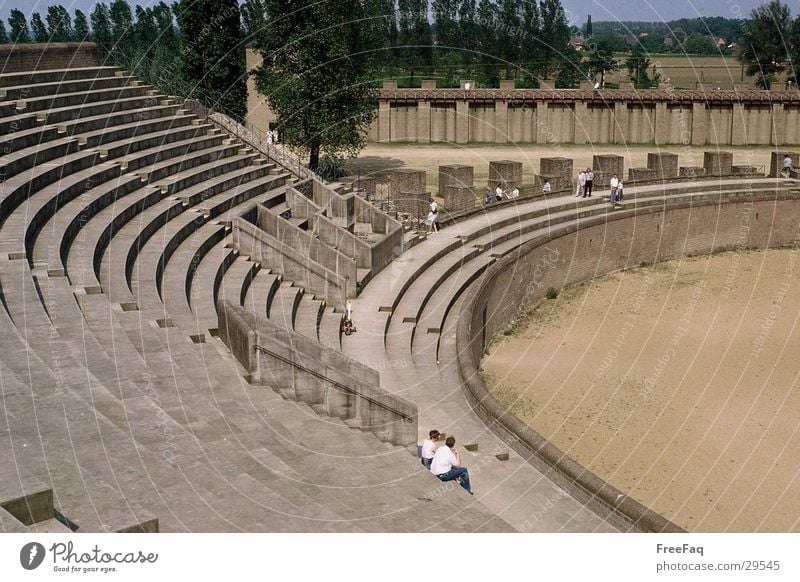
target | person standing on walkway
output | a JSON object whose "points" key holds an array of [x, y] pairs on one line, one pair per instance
{"points": [[546, 188], [787, 166], [587, 193], [581, 184], [429, 446], [433, 216], [446, 464], [613, 183]]}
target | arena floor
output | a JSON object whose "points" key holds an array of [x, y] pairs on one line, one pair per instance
{"points": [[677, 383]]}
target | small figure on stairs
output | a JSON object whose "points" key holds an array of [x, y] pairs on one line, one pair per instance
{"points": [[347, 323]]}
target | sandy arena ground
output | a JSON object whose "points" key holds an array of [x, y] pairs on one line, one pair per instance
{"points": [[380, 158], [679, 384]]}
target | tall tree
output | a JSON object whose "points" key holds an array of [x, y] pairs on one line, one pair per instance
{"points": [[38, 28], [119, 13], [315, 75], [794, 52], [414, 34], [444, 16], [467, 31], [81, 27], [3, 34], [601, 56], [554, 36], [254, 19], [530, 46], [765, 42], [486, 29], [638, 65], [212, 53], [19, 26], [509, 16], [59, 24], [101, 30], [588, 26]]}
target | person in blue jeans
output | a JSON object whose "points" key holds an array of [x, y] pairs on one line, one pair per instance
{"points": [[446, 464]]}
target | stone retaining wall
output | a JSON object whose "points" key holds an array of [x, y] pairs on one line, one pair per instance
{"points": [[16, 58]]}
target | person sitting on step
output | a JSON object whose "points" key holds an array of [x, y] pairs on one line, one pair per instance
{"points": [[429, 446], [446, 464]]}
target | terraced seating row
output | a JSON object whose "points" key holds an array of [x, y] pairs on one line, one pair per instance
{"points": [[119, 401]]}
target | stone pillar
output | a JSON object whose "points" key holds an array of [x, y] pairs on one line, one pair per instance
{"points": [[384, 122], [424, 122], [561, 167], [621, 122], [738, 126], [406, 180], [661, 129], [413, 202], [505, 173], [455, 175], [605, 166], [462, 121], [699, 124], [459, 198], [664, 164], [582, 123], [543, 133], [776, 162], [507, 84], [717, 163], [429, 83], [779, 118], [501, 122]]}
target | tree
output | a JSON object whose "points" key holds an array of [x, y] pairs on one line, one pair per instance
{"points": [[554, 37], [588, 26], [794, 52], [601, 55], [486, 29], [638, 65], [59, 25], [121, 18], [509, 15], [467, 32], [39, 29], [530, 46], [101, 30], [81, 27], [315, 75], [414, 34], [765, 42], [212, 58], [444, 16], [254, 19], [699, 44], [3, 35], [570, 72], [19, 27]]}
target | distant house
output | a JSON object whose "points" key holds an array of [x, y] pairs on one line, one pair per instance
{"points": [[577, 42], [668, 42]]}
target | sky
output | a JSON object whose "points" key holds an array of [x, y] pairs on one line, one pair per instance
{"points": [[629, 10]]}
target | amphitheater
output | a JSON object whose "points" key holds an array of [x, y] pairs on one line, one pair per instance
{"points": [[172, 294]]}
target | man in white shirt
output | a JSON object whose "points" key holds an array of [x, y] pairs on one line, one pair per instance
{"points": [[429, 447], [446, 464], [515, 192], [613, 183], [498, 193], [581, 184]]}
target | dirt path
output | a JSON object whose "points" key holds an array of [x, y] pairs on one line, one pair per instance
{"points": [[678, 384]]}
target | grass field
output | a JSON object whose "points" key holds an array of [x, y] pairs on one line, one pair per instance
{"points": [[685, 71]]}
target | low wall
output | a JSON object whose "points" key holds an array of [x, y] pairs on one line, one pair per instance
{"points": [[572, 254], [291, 253], [309, 372], [16, 58]]}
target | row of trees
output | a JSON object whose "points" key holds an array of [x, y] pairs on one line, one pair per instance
{"points": [[771, 44], [192, 48]]}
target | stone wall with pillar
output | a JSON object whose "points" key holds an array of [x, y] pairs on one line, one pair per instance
{"points": [[407, 180], [505, 173], [561, 167], [718, 163], [605, 166], [665, 164], [455, 175], [459, 198]]}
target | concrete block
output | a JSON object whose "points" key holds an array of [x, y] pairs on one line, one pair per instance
{"points": [[455, 175], [665, 164], [413, 202], [561, 167], [507, 84], [459, 198], [407, 180], [506, 173], [718, 163], [642, 174], [390, 84], [429, 83], [605, 166], [744, 170]]}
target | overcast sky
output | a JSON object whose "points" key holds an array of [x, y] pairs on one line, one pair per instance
{"points": [[650, 10]]}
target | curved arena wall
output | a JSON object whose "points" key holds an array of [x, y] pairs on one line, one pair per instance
{"points": [[595, 247]]}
